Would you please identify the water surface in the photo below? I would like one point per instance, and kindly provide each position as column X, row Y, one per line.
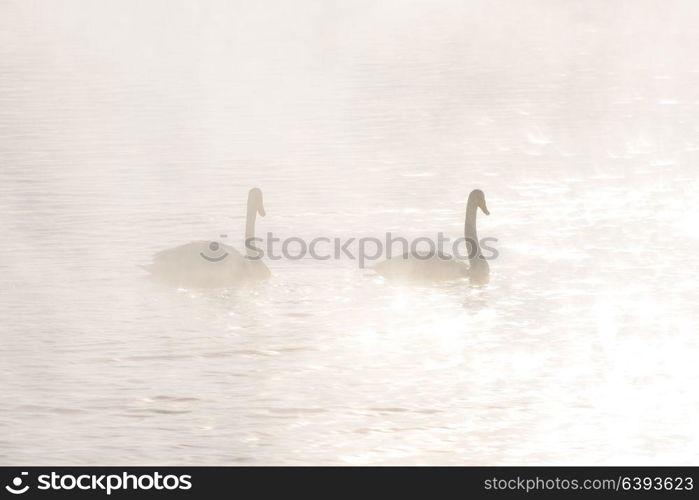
column 128, row 128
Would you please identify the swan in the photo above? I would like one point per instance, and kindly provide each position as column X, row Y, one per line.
column 205, row 264
column 426, row 266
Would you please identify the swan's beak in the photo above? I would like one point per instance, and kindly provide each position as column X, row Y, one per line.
column 485, row 209
column 261, row 210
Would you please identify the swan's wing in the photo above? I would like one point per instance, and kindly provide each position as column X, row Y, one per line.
column 422, row 266
column 199, row 264
column 195, row 252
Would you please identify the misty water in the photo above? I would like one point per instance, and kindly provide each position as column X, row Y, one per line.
column 127, row 128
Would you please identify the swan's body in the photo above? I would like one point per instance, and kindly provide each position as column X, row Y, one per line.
column 431, row 267
column 205, row 264
column 422, row 267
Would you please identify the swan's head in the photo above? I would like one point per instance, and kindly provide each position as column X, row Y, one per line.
column 255, row 201
column 479, row 199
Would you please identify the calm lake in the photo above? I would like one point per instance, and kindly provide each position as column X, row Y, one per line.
column 129, row 127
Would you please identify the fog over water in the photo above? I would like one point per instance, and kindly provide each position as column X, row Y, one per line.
column 130, row 127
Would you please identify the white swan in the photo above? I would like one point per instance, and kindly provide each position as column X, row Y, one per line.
column 205, row 264
column 425, row 266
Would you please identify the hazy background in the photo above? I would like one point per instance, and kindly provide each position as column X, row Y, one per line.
column 128, row 127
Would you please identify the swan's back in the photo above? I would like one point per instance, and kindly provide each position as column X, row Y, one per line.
column 423, row 267
column 203, row 264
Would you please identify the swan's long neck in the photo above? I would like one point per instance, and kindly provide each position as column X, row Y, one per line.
column 470, row 232
column 250, row 228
